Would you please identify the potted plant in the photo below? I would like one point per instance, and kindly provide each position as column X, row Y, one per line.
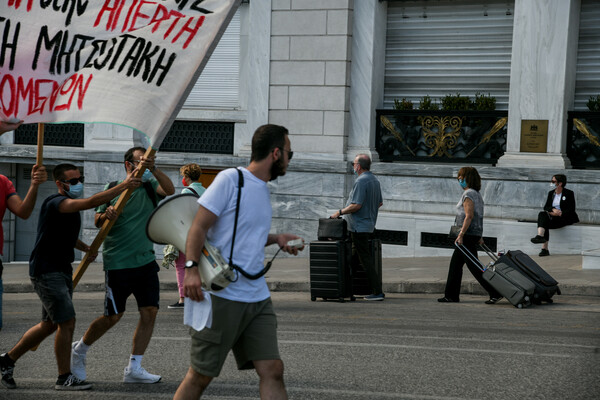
column 428, row 104
column 484, row 103
column 403, row 105
column 456, row 103
column 593, row 103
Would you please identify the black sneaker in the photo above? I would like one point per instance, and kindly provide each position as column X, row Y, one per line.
column 176, row 305
column 7, row 368
column 493, row 300
column 447, row 300
column 538, row 239
column 544, row 253
column 71, row 382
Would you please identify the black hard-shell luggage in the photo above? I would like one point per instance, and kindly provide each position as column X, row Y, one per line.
column 360, row 281
column 545, row 285
column 507, row 280
column 330, row 270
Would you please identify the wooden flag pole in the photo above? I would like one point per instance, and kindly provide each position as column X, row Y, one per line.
column 108, row 224
column 39, row 159
column 40, row 145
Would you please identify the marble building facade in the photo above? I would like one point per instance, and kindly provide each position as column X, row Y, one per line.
column 316, row 66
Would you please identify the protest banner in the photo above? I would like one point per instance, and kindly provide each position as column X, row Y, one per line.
column 126, row 62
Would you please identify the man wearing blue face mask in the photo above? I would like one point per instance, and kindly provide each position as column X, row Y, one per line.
column 130, row 268
column 51, row 272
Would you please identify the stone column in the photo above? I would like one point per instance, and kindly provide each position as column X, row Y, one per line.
column 367, row 74
column 254, row 71
column 542, row 78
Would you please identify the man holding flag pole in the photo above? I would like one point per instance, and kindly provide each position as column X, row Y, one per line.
column 130, row 268
column 50, row 271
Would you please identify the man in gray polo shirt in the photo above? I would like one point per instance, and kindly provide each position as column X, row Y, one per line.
column 361, row 210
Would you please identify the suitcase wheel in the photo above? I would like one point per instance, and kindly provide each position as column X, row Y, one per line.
column 313, row 298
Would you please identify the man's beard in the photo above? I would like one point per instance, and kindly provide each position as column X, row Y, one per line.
column 277, row 169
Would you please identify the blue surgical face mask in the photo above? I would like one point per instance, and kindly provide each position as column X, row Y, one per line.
column 355, row 171
column 147, row 175
column 553, row 185
column 462, row 183
column 75, row 191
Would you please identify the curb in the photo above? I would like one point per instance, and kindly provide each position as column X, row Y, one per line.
column 472, row 288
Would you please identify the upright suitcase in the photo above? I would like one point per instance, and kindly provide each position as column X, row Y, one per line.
column 545, row 285
column 507, row 280
column 360, row 281
column 330, row 270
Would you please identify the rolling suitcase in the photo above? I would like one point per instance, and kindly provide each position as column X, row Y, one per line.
column 360, row 281
column 330, row 270
column 545, row 285
column 506, row 279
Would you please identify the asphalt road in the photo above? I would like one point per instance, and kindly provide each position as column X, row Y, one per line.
column 408, row 347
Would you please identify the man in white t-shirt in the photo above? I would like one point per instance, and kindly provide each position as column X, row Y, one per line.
column 243, row 319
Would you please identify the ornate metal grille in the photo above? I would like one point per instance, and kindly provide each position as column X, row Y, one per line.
column 583, row 139
column 441, row 136
column 70, row 135
column 199, row 137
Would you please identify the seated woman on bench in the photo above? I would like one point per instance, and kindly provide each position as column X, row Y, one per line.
column 559, row 211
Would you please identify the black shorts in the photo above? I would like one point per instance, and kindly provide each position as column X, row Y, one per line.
column 142, row 282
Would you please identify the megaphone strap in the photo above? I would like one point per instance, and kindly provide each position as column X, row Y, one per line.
column 237, row 213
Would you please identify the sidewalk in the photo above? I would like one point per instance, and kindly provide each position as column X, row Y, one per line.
column 400, row 275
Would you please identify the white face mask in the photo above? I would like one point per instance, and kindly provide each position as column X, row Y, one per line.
column 553, row 185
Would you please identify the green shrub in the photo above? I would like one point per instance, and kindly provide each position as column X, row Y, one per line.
column 427, row 104
column 403, row 105
column 456, row 103
column 594, row 103
column 484, row 103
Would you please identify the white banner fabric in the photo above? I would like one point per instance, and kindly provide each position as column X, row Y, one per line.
column 126, row 62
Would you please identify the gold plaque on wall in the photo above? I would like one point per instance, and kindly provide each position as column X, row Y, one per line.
column 534, row 135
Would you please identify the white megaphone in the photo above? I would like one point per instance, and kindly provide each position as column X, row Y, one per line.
column 170, row 223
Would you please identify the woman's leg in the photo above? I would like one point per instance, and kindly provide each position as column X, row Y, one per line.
column 455, row 271
column 180, row 269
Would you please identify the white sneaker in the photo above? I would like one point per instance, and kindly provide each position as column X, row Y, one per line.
column 139, row 375
column 77, row 363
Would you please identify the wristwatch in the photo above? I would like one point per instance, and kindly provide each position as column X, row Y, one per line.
column 191, row 264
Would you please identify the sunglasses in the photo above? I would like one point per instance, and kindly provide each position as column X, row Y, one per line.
column 553, row 181
column 73, row 181
column 290, row 153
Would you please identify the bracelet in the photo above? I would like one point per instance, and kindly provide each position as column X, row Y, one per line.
column 341, row 213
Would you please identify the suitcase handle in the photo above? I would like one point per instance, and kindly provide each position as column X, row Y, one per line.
column 470, row 256
column 489, row 252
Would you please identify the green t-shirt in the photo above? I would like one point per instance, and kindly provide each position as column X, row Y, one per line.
column 127, row 245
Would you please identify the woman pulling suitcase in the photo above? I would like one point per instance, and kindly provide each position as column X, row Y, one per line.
column 469, row 218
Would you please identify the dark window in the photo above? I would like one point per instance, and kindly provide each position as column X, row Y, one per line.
column 441, row 240
column 70, row 135
column 199, row 137
column 392, row 237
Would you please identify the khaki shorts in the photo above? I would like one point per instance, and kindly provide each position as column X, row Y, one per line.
column 249, row 329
